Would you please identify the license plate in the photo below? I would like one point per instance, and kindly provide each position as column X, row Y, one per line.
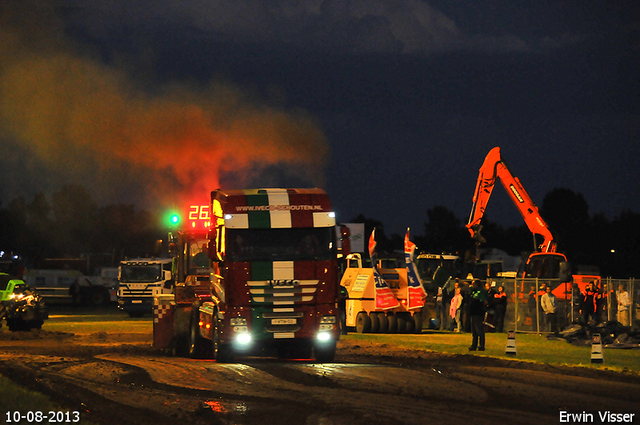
column 283, row 321
column 136, row 301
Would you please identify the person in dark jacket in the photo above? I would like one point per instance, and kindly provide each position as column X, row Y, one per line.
column 501, row 308
column 589, row 304
column 477, row 309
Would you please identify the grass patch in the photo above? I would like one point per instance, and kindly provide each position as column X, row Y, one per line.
column 529, row 347
column 16, row 398
column 85, row 320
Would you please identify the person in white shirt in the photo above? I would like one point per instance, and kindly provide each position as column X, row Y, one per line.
column 623, row 306
column 549, row 306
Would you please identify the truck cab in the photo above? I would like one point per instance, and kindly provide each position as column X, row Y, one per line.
column 140, row 280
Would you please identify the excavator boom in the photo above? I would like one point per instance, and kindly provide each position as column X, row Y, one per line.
column 494, row 168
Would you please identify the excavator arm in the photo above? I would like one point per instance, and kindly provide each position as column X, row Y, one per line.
column 494, row 168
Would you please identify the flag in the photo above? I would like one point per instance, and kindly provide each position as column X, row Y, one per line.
column 415, row 291
column 385, row 299
column 372, row 248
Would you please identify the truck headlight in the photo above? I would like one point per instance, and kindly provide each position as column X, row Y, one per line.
column 243, row 338
column 323, row 336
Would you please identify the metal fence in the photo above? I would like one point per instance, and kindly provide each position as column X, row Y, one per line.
column 524, row 311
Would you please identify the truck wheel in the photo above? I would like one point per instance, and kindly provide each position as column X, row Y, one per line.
column 35, row 324
column 17, row 325
column 222, row 353
column 363, row 323
column 196, row 349
column 325, row 353
column 417, row 320
column 181, row 346
column 375, row 322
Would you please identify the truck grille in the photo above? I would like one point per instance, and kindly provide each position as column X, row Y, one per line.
column 294, row 292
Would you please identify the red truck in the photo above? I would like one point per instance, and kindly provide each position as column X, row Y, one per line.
column 272, row 283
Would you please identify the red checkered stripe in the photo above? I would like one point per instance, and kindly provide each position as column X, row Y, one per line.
column 159, row 310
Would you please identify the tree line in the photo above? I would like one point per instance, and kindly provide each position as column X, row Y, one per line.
column 71, row 224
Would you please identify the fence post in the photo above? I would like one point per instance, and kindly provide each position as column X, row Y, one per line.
column 537, row 307
column 632, row 310
column 515, row 300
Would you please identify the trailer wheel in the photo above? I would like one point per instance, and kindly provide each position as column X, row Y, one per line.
column 393, row 323
column 384, row 323
column 363, row 323
column 222, row 353
column 409, row 325
column 402, row 323
column 417, row 320
column 375, row 322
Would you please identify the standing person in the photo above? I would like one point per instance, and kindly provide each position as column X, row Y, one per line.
column 549, row 306
column 541, row 315
column 465, row 290
column 531, row 307
column 440, row 313
column 624, row 304
column 589, row 307
column 448, row 292
column 477, row 309
column 490, row 316
column 455, row 310
column 501, row 308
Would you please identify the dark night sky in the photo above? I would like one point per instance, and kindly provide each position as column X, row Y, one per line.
column 398, row 101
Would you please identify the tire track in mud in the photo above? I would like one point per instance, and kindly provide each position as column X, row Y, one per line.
column 369, row 393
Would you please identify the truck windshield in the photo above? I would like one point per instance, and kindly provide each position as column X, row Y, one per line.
column 280, row 244
column 141, row 273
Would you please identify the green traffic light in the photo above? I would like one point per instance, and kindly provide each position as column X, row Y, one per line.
column 171, row 219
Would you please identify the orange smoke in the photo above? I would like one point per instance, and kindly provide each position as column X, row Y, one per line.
column 71, row 110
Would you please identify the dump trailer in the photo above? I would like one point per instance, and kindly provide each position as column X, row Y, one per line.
column 273, row 286
column 384, row 299
column 363, row 315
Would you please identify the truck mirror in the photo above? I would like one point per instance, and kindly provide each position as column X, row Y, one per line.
column 565, row 272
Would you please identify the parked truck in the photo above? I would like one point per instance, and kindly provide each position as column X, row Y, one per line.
column 273, row 285
column 140, row 280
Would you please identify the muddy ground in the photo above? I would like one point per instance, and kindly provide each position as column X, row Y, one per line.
column 117, row 378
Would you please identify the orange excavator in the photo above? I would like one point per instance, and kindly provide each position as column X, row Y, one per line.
column 545, row 262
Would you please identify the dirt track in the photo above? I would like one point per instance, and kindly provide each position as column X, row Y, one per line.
column 118, row 378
